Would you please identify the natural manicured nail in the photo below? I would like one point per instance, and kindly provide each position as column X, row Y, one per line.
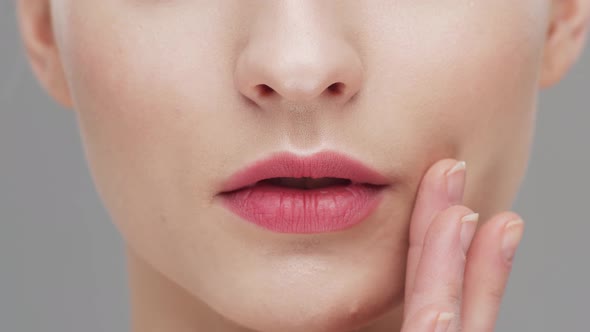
column 456, row 182
column 444, row 321
column 468, row 227
column 511, row 238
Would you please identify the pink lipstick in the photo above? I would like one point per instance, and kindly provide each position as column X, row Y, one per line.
column 287, row 193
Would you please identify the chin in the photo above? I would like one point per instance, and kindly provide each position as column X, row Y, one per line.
column 322, row 300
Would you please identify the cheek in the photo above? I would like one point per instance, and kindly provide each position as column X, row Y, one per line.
column 469, row 79
column 147, row 95
column 141, row 85
column 467, row 65
column 129, row 86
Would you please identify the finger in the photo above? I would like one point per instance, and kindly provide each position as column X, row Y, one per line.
column 489, row 264
column 433, row 197
column 439, row 277
column 429, row 319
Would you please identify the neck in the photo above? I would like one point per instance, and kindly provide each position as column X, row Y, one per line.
column 159, row 304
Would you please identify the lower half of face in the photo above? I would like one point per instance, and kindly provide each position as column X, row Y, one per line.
column 164, row 124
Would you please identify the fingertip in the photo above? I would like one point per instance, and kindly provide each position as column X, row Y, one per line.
column 500, row 236
column 443, row 167
column 511, row 238
column 426, row 319
column 455, row 178
column 444, row 321
column 453, row 213
column 497, row 222
column 446, row 180
column 452, row 228
column 431, row 198
column 433, row 190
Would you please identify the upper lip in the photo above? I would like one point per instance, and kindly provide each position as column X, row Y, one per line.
column 318, row 165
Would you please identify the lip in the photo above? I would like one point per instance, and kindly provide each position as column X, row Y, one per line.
column 293, row 210
column 321, row 164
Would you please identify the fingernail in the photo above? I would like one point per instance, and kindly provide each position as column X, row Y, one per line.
column 456, row 182
column 512, row 235
column 444, row 321
column 468, row 227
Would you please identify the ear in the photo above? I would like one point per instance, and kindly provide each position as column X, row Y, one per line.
column 35, row 23
column 566, row 37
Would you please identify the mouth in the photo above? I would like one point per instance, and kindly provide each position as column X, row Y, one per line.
column 286, row 193
column 303, row 183
column 319, row 170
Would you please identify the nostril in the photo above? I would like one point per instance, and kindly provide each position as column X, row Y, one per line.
column 336, row 88
column 264, row 90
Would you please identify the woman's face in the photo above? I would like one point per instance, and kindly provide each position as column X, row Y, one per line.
column 168, row 106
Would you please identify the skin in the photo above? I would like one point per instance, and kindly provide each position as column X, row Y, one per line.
column 168, row 99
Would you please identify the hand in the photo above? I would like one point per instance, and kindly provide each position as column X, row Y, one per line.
column 456, row 275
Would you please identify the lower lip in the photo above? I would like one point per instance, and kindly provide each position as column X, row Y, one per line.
column 290, row 210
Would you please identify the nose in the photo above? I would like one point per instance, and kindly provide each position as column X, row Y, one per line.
column 298, row 55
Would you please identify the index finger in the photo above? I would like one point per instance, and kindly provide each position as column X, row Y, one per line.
column 433, row 197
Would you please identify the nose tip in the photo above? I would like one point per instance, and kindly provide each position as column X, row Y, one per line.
column 331, row 72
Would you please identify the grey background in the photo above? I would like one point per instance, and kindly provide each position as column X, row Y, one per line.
column 62, row 266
